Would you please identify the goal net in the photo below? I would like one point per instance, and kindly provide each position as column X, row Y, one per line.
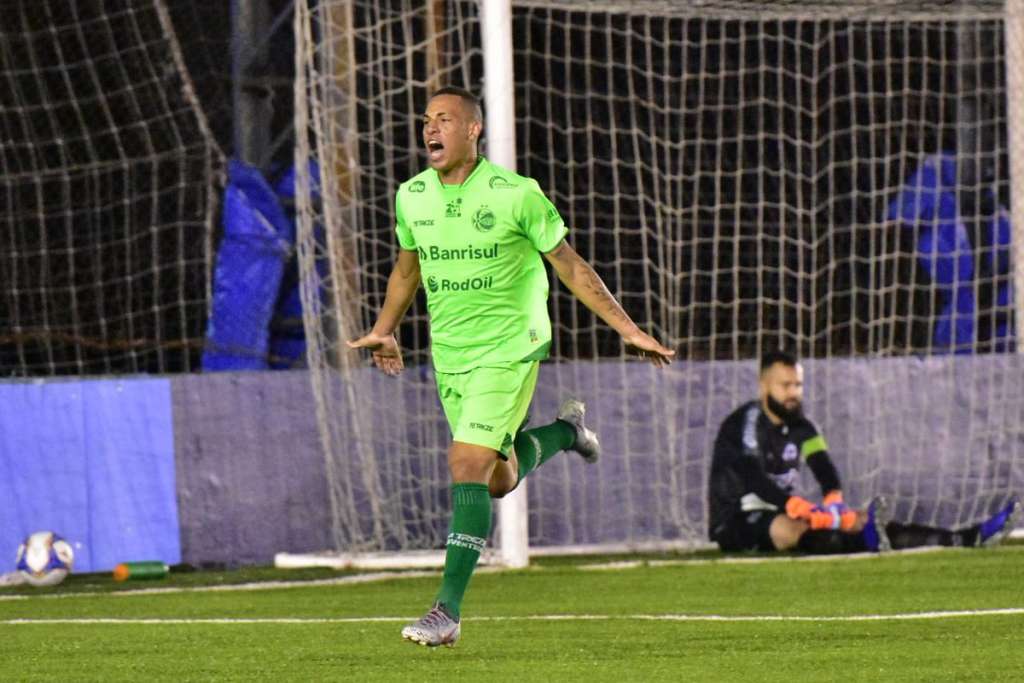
column 830, row 177
column 109, row 183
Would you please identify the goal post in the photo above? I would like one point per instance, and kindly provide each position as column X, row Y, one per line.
column 832, row 177
column 499, row 103
column 1014, row 47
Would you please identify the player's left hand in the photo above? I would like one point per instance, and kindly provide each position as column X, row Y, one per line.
column 833, row 498
column 852, row 520
column 832, row 517
column 647, row 347
column 860, row 520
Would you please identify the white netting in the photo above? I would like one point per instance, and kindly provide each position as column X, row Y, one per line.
column 108, row 179
column 743, row 176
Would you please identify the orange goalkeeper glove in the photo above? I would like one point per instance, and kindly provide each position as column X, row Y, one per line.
column 799, row 508
column 832, row 518
column 834, row 497
column 836, row 516
column 833, row 502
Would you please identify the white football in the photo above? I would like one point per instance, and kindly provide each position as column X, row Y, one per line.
column 44, row 559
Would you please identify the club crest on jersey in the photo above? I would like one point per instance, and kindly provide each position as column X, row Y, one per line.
column 417, row 186
column 789, row 453
column 483, row 219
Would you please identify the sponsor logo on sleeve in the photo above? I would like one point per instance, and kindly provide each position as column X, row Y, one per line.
column 498, row 183
column 417, row 186
column 750, row 430
column 787, row 480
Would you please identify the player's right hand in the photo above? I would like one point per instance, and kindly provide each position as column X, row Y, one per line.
column 799, row 508
column 384, row 351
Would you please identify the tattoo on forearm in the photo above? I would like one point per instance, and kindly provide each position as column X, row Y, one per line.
column 600, row 297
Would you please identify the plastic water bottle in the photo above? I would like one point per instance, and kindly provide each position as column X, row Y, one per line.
column 140, row 571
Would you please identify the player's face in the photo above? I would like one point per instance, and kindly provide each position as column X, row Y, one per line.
column 782, row 390
column 450, row 132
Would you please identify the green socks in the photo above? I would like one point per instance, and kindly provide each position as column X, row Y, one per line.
column 471, row 524
column 535, row 446
column 471, row 511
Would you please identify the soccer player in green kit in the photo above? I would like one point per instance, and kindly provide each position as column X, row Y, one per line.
column 474, row 233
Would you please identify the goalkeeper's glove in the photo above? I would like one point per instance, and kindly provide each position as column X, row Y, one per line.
column 837, row 516
column 833, row 502
column 832, row 518
column 799, row 508
column 834, row 499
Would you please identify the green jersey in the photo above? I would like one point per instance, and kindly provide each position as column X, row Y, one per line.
column 479, row 247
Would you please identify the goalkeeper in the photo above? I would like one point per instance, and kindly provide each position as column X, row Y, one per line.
column 474, row 233
column 755, row 466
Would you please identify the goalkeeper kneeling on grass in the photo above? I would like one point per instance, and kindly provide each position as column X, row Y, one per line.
column 756, row 463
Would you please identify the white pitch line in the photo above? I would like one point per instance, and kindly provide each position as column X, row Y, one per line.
column 772, row 559
column 374, row 577
column 765, row 559
column 351, row 579
column 906, row 616
column 252, row 586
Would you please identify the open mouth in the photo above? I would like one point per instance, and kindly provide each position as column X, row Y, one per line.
column 435, row 149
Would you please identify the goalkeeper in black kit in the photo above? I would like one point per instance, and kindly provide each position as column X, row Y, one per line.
column 755, row 467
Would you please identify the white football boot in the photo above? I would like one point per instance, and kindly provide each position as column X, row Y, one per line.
column 587, row 444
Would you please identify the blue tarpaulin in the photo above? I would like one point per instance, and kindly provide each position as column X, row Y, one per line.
column 258, row 242
column 287, row 335
column 929, row 205
column 94, row 462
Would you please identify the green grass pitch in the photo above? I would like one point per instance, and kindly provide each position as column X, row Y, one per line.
column 950, row 615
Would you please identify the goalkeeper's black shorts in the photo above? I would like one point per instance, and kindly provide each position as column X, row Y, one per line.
column 746, row 531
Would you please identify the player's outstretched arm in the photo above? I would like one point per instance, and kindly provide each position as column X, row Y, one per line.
column 381, row 341
column 580, row 278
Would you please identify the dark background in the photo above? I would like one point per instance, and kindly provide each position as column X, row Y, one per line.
column 727, row 177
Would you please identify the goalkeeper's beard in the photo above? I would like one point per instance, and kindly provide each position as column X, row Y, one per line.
column 789, row 416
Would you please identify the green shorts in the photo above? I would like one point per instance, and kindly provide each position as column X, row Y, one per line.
column 487, row 405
